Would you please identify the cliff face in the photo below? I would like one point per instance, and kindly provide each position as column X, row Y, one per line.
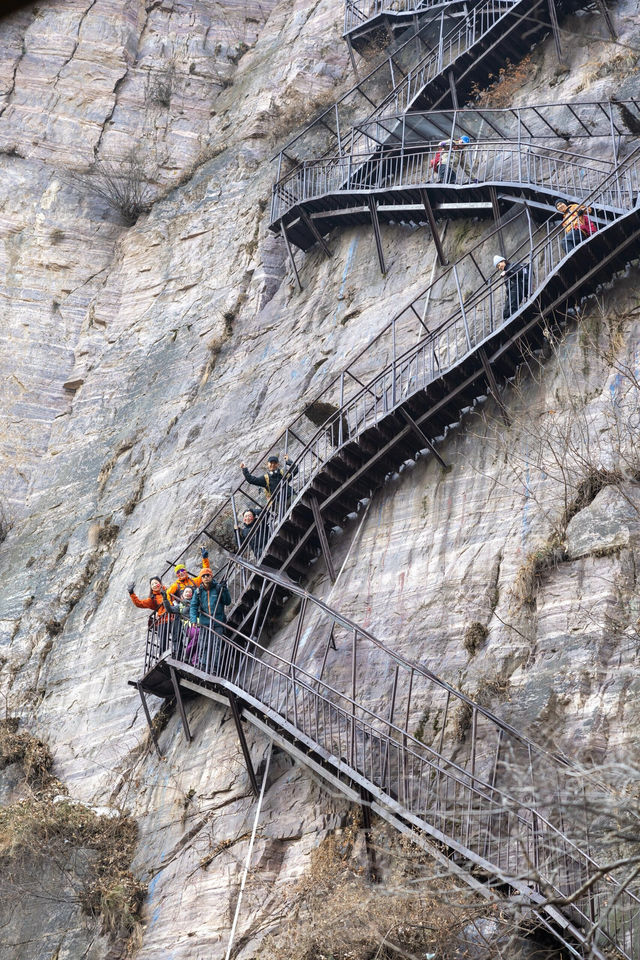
column 142, row 363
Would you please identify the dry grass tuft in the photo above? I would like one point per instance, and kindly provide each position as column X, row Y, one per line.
column 474, row 636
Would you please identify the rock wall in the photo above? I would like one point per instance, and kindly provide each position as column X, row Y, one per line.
column 143, row 362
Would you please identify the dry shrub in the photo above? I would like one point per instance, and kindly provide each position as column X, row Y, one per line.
column 336, row 913
column 46, row 830
column 124, row 185
column 32, row 754
column 474, row 636
column 504, row 85
column 461, row 720
column 49, row 830
column 529, row 576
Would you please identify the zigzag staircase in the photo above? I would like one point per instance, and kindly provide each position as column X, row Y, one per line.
column 479, row 796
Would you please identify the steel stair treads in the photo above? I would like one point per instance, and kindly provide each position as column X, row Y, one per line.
column 474, row 794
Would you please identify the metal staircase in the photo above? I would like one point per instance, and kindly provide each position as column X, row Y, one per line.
column 495, row 808
column 432, row 361
column 500, row 812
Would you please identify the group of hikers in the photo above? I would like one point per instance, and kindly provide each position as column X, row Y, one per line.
column 192, row 608
column 577, row 226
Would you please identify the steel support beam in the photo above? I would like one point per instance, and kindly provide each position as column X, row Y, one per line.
column 493, row 385
column 310, row 225
column 452, row 86
column 435, row 233
column 145, row 707
column 243, row 742
column 290, row 252
column 322, row 534
column 373, row 210
column 183, row 716
column 553, row 13
column 419, row 432
column 352, row 58
column 604, row 10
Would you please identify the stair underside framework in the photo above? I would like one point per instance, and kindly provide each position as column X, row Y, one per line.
column 464, row 813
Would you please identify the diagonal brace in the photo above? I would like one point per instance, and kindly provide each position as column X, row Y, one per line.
column 311, row 227
column 322, row 534
column 243, row 742
column 493, row 385
column 419, row 432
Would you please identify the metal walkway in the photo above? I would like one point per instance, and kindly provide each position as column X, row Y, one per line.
column 485, row 801
column 435, row 67
column 434, row 360
column 389, row 175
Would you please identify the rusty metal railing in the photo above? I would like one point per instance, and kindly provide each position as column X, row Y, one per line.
column 436, row 759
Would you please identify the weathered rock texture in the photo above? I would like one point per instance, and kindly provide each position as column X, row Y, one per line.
column 142, row 364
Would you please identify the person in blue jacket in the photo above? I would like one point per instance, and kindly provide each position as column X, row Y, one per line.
column 207, row 604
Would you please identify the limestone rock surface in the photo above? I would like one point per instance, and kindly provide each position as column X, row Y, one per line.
column 142, row 363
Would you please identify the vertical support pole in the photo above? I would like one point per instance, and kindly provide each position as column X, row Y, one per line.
column 464, row 313
column 352, row 58
column 243, row 743
column 613, row 134
column 296, row 640
column 435, row 233
column 322, row 535
column 183, row 716
column 149, row 720
column 291, row 260
column 373, row 209
column 496, row 216
column 553, row 13
column 352, row 747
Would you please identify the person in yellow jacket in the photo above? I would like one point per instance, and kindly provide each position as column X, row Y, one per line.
column 574, row 219
column 184, row 578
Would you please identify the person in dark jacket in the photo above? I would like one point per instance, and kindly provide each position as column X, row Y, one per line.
column 271, row 480
column 516, row 287
column 249, row 520
column 207, row 605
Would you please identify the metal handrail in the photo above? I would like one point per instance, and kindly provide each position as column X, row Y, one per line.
column 486, row 791
column 488, row 164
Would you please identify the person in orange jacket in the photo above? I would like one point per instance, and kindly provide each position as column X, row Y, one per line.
column 154, row 601
column 184, row 578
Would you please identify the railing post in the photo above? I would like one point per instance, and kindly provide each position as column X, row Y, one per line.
column 352, row 747
column 393, row 374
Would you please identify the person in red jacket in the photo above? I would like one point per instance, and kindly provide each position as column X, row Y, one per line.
column 184, row 578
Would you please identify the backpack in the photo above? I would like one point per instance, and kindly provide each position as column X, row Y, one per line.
column 587, row 226
column 435, row 163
